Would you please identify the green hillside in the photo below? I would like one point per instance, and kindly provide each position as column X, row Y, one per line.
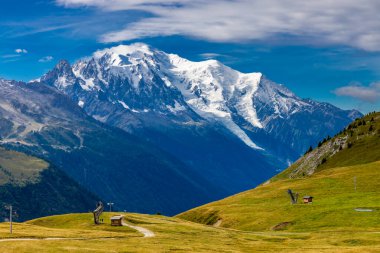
column 35, row 188
column 358, row 143
column 77, row 233
column 328, row 173
column 19, row 169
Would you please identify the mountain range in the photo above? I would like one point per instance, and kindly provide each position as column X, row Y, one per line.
column 155, row 132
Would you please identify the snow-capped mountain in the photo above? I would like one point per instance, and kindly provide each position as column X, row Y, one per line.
column 230, row 125
column 143, row 80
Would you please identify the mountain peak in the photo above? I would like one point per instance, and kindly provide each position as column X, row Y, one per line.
column 63, row 65
column 125, row 50
column 139, row 79
column 61, row 76
column 122, row 54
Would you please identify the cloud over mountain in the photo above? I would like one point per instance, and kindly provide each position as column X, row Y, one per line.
column 340, row 22
column 370, row 94
column 48, row 58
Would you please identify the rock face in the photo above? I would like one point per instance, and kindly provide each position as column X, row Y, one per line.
column 115, row 165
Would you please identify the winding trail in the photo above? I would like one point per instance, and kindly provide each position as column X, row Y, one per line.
column 218, row 223
column 146, row 232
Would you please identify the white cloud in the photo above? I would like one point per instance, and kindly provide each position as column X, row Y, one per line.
column 21, row 51
column 369, row 93
column 343, row 22
column 8, row 56
column 14, row 56
column 46, row 59
column 210, row 55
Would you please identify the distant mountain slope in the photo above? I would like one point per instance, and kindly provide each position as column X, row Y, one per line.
column 118, row 167
column 358, row 143
column 35, row 188
column 234, row 129
column 342, row 175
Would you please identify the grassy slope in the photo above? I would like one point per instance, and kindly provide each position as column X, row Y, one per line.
column 19, row 169
column 172, row 234
column 332, row 185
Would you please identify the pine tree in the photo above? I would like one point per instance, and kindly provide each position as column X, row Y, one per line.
column 309, row 150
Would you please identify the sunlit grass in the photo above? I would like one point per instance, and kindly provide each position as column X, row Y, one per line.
column 333, row 206
column 173, row 234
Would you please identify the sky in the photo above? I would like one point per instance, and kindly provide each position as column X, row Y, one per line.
column 327, row 50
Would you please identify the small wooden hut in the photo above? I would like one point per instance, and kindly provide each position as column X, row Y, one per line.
column 307, row 199
column 117, row 220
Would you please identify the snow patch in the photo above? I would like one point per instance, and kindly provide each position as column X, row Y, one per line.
column 177, row 107
column 124, row 104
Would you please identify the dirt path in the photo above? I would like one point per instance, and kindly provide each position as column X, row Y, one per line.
column 146, row 232
column 218, row 223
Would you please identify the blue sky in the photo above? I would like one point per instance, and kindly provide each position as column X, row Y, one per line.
column 325, row 50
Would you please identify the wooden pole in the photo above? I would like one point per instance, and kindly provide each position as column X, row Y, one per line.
column 10, row 218
column 355, row 183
